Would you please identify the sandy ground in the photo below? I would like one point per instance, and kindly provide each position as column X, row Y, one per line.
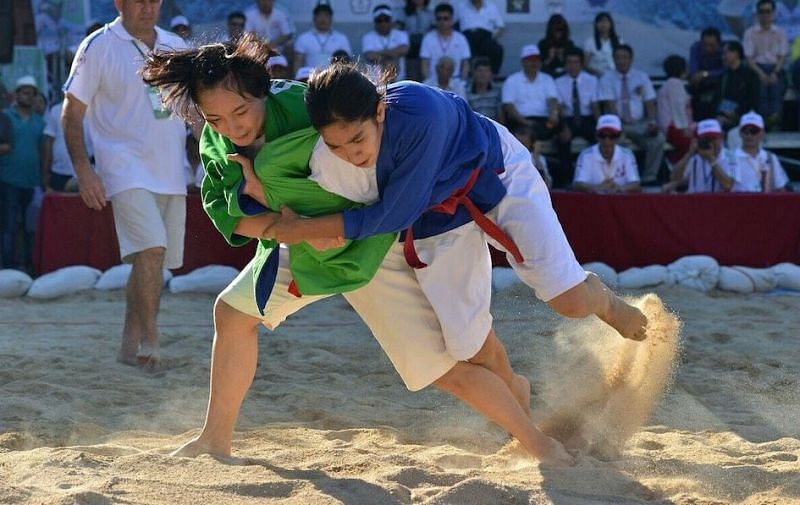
column 328, row 421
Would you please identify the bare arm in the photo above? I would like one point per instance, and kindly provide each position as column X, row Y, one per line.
column 512, row 114
column 464, row 70
column 90, row 186
column 425, row 66
column 724, row 179
column 291, row 229
column 679, row 169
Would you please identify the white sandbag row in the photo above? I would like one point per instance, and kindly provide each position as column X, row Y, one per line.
column 68, row 280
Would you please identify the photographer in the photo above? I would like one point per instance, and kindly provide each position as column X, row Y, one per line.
column 708, row 167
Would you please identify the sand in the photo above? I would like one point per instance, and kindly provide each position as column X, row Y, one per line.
column 328, row 421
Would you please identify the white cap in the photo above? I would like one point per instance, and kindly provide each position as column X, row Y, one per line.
column 752, row 119
column 178, row 21
column 382, row 10
column 609, row 122
column 27, row 80
column 709, row 128
column 528, row 51
column 278, row 61
column 303, row 73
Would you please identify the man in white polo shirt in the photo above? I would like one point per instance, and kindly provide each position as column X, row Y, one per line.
column 385, row 44
column 607, row 167
column 530, row 97
column 315, row 47
column 139, row 152
column 708, row 167
column 481, row 22
column 444, row 41
column 757, row 170
column 270, row 23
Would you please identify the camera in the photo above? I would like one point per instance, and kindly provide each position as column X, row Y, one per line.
column 704, row 144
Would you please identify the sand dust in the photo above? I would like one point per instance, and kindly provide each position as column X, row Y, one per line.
column 328, row 421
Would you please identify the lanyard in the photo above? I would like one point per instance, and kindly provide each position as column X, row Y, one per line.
column 322, row 42
column 445, row 47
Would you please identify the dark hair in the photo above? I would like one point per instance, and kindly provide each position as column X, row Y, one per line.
column 735, row 46
column 323, row 8
column 180, row 75
column 762, row 2
column 481, row 61
column 443, row 8
column 557, row 21
column 612, row 33
column 574, row 51
column 624, row 47
column 711, row 32
column 236, row 14
column 340, row 55
column 93, row 27
column 410, row 9
column 342, row 92
column 674, row 65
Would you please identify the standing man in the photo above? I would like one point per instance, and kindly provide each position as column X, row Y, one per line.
column 444, row 41
column 385, row 45
column 139, row 150
column 315, row 47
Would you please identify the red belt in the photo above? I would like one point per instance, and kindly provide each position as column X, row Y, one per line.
column 449, row 206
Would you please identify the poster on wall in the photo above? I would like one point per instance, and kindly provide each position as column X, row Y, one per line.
column 28, row 60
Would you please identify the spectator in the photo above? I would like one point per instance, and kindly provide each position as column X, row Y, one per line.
column 236, row 23
column 385, row 45
column 530, row 98
column 599, row 48
column 272, row 24
column 795, row 69
column 139, row 160
column 20, row 173
column 738, row 90
column 527, row 138
column 757, row 170
column 444, row 41
column 279, row 67
column 55, row 157
column 577, row 95
column 766, row 47
column 180, row 26
column 302, row 74
column 480, row 21
column 607, row 167
column 708, row 167
column 315, row 47
column 443, row 77
column 416, row 19
column 483, row 96
column 629, row 93
column 705, row 69
column 341, row 56
column 675, row 108
column 555, row 44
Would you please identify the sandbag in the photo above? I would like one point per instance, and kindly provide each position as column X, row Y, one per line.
column 787, row 275
column 64, row 281
column 504, row 278
column 746, row 280
column 209, row 279
column 116, row 277
column 695, row 272
column 636, row 278
column 14, row 283
column 607, row 274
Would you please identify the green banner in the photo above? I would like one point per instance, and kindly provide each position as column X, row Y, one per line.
column 28, row 60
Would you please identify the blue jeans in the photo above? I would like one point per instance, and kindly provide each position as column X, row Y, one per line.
column 771, row 99
column 14, row 201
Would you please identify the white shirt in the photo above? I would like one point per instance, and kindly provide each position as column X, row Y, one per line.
column 591, row 168
column 132, row 148
column 342, row 178
column 62, row 164
column 373, row 41
column 529, row 97
column 752, row 169
column 640, row 90
column 271, row 27
column 456, row 86
column 587, row 92
column 487, row 17
column 602, row 59
column 701, row 177
column 318, row 47
column 434, row 46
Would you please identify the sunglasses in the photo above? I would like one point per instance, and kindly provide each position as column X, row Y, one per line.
column 612, row 136
column 383, row 20
column 765, row 11
column 750, row 130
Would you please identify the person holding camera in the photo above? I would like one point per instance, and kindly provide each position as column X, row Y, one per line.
column 708, row 167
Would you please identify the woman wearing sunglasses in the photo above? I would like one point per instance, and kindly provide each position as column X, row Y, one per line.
column 607, row 167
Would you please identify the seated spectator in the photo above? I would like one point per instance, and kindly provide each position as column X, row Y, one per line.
column 738, row 89
column 483, row 96
column 629, row 94
column 279, row 67
column 766, row 47
column 385, row 43
column 599, row 48
column 180, row 26
column 341, row 56
column 705, row 69
column 708, row 167
column 315, row 47
column 607, row 167
column 795, row 69
column 270, row 23
column 416, row 19
column 675, row 108
column 236, row 22
column 444, row 41
column 757, row 170
column 443, row 77
column 577, row 95
column 480, row 21
column 530, row 98
column 554, row 45
column 528, row 139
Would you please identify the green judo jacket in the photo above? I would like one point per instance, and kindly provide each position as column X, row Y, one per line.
column 282, row 167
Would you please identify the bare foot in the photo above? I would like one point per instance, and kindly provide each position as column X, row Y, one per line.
column 148, row 356
column 126, row 359
column 522, row 392
column 196, row 447
column 553, row 454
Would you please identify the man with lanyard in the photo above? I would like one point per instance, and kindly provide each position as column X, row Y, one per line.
column 385, row 43
column 444, row 41
column 139, row 152
column 708, row 167
column 757, row 169
column 315, row 47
